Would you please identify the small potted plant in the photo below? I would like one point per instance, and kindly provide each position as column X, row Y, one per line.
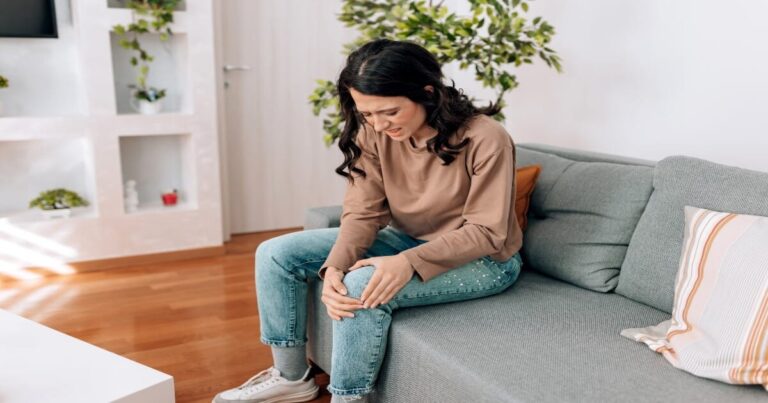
column 149, row 17
column 57, row 203
column 146, row 100
column 3, row 84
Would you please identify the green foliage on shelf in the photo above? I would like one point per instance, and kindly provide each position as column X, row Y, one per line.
column 493, row 39
column 3, row 82
column 150, row 94
column 56, row 199
column 150, row 16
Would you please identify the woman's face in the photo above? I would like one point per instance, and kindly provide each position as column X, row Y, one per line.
column 397, row 117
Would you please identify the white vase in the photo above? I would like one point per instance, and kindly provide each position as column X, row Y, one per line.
column 145, row 107
column 57, row 213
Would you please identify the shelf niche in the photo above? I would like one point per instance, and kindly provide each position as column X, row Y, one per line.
column 44, row 164
column 159, row 163
column 167, row 71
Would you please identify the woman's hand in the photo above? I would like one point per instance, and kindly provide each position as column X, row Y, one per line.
column 336, row 304
column 391, row 275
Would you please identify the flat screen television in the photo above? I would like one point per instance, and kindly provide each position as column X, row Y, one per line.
column 28, row 19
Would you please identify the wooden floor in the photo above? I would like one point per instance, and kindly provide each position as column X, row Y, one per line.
column 194, row 319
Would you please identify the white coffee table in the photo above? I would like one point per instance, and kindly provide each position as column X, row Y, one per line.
column 39, row 364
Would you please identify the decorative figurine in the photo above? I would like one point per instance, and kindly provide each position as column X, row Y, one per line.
column 131, row 196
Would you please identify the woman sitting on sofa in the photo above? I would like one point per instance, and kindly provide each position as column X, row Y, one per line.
column 429, row 207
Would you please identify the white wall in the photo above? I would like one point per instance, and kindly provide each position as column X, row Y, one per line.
column 44, row 73
column 650, row 79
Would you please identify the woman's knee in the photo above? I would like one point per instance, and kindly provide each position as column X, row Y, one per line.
column 309, row 242
column 279, row 245
column 357, row 280
column 265, row 249
column 272, row 252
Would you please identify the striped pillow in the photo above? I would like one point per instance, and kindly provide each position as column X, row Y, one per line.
column 719, row 324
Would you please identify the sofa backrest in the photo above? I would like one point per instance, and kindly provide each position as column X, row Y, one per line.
column 583, row 212
column 649, row 271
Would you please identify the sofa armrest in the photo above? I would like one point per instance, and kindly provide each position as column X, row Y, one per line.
column 322, row 217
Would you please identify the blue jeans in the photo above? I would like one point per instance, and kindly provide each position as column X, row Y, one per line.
column 285, row 264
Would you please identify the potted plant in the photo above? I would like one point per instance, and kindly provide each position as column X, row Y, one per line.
column 3, row 84
column 146, row 100
column 493, row 38
column 149, row 16
column 57, row 203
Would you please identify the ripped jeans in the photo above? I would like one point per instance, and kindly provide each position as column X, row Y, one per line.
column 285, row 264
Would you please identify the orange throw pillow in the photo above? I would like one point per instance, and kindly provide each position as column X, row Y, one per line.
column 526, row 180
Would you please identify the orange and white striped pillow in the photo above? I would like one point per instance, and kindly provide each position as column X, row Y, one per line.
column 719, row 324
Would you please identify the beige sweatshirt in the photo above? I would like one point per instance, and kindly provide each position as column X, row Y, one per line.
column 464, row 210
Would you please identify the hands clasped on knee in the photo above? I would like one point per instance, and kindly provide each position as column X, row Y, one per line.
column 391, row 274
column 334, row 296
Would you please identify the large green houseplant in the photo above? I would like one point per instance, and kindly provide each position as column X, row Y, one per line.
column 493, row 40
column 150, row 16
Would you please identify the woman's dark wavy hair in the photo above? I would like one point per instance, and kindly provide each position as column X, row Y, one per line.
column 392, row 68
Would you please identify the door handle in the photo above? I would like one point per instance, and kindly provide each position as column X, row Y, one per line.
column 230, row 67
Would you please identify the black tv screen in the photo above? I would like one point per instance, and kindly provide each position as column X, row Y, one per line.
column 28, row 19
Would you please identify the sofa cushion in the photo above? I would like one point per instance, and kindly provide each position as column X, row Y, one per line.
column 542, row 340
column 525, row 180
column 648, row 273
column 582, row 216
column 716, row 330
column 322, row 217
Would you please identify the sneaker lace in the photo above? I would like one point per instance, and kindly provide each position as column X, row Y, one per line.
column 260, row 381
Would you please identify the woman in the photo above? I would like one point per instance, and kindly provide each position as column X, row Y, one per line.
column 429, row 207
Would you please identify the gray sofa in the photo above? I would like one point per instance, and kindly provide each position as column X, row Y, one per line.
column 600, row 255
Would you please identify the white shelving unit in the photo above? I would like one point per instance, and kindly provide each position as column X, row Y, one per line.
column 95, row 146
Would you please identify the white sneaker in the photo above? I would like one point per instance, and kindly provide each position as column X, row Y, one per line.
column 269, row 387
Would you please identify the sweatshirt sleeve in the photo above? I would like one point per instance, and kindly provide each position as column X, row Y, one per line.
column 486, row 214
column 365, row 210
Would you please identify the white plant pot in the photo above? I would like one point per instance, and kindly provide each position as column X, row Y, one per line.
column 57, row 213
column 145, row 107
